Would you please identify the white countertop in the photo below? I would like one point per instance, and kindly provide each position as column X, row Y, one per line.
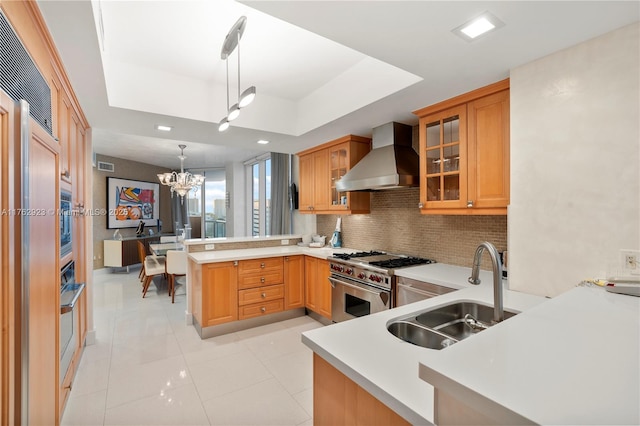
column 195, row 241
column 445, row 275
column 254, row 253
column 568, row 360
column 573, row 360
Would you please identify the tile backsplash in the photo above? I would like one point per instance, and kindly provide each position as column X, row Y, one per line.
column 395, row 225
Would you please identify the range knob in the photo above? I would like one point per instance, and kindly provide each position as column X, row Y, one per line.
column 361, row 276
column 375, row 278
column 349, row 271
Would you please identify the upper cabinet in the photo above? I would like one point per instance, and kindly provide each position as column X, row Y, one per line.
column 321, row 167
column 464, row 153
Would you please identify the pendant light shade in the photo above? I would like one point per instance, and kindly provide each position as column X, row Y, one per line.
column 231, row 41
column 234, row 112
column 224, row 125
column 247, row 97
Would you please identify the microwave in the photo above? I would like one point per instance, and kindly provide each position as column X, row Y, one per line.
column 65, row 223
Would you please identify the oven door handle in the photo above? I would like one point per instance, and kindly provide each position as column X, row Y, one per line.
column 355, row 286
column 69, row 296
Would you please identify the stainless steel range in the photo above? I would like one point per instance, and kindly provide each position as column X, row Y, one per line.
column 364, row 282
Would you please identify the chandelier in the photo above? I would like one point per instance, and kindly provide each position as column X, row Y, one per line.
column 182, row 182
column 231, row 41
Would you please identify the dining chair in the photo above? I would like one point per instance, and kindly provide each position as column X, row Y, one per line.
column 153, row 266
column 142, row 255
column 176, row 266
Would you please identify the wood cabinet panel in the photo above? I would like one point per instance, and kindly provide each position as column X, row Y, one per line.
column 294, row 282
column 260, row 294
column 262, row 308
column 44, row 280
column 317, row 286
column 488, row 150
column 219, row 293
column 337, row 400
column 260, row 272
column 321, row 167
column 464, row 153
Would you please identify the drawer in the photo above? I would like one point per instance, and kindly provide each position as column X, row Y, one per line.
column 259, row 309
column 260, row 294
column 264, row 279
column 259, row 266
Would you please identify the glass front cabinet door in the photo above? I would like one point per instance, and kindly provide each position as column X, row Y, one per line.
column 339, row 165
column 443, row 168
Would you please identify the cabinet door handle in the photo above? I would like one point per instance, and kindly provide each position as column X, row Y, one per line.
column 264, row 295
column 420, row 205
column 469, row 204
column 263, row 309
column 65, row 174
column 286, row 258
column 261, row 279
column 235, row 263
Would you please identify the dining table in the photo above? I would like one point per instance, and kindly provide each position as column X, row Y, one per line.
column 160, row 249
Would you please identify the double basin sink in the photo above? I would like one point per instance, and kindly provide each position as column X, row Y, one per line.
column 438, row 328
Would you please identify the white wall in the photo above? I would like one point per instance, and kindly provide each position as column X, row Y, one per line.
column 236, row 213
column 575, row 163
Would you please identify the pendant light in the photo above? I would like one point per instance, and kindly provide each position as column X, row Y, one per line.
column 231, row 41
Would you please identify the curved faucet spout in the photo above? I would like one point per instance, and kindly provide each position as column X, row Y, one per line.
column 498, row 308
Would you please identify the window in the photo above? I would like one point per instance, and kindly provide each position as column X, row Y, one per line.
column 260, row 192
column 209, row 204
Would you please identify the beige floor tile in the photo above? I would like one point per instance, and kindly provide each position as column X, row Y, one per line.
column 85, row 410
column 265, row 403
column 133, row 382
column 179, row 406
column 294, row 371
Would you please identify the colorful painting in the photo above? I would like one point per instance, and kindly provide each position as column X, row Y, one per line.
column 132, row 201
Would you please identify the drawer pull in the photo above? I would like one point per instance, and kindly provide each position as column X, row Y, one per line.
column 262, row 265
column 261, row 279
column 263, row 309
column 264, row 295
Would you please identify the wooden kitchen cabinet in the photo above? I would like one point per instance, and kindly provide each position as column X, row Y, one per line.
column 294, row 282
column 321, row 167
column 219, row 293
column 261, row 288
column 464, row 153
column 337, row 400
column 317, row 286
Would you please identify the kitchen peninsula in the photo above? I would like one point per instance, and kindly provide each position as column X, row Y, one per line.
column 239, row 283
column 569, row 360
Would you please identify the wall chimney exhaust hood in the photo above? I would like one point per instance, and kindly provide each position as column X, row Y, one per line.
column 393, row 163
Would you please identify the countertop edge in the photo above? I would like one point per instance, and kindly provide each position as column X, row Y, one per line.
column 469, row 397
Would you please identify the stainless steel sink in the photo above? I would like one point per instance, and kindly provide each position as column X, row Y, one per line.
column 419, row 335
column 441, row 327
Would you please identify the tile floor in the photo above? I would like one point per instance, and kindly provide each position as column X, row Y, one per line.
column 149, row 368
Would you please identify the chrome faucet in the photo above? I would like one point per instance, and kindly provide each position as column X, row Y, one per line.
column 498, row 308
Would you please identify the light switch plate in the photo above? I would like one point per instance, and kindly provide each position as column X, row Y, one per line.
column 209, row 246
column 630, row 261
column 284, row 242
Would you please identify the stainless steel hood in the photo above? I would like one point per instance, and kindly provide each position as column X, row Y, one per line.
column 391, row 164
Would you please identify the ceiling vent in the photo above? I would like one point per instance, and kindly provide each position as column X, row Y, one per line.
column 106, row 167
column 21, row 79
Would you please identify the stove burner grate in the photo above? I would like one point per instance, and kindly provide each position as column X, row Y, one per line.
column 347, row 256
column 401, row 262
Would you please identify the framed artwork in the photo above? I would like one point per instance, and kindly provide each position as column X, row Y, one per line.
column 131, row 201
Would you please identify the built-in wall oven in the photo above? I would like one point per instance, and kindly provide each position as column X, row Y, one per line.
column 70, row 291
column 363, row 283
column 65, row 215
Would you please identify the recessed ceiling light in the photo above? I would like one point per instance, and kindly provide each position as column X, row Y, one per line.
column 163, row 128
column 478, row 26
column 263, row 142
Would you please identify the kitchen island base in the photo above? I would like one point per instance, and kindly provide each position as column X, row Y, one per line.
column 232, row 327
column 337, row 400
